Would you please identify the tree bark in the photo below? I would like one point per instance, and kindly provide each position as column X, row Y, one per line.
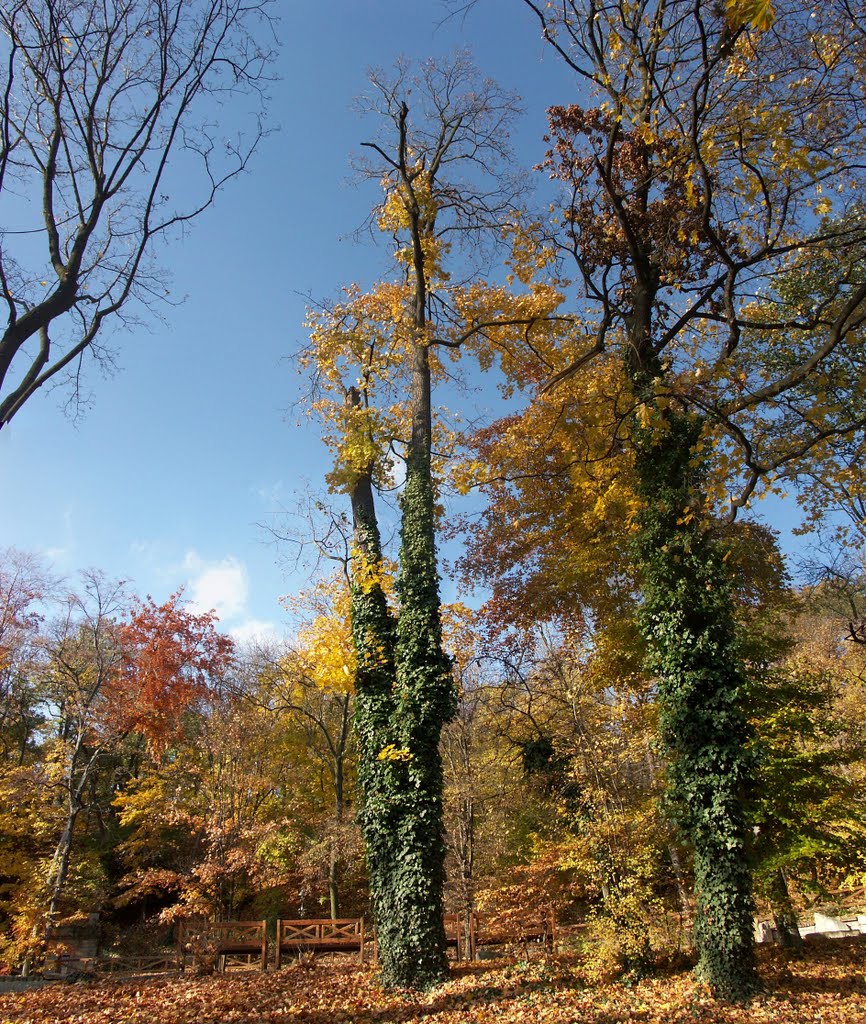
column 784, row 915
column 60, row 869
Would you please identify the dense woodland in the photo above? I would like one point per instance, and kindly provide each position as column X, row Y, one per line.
column 151, row 769
column 637, row 718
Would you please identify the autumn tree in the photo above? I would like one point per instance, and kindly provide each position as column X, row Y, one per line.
column 25, row 590
column 83, row 658
column 723, row 153
column 103, row 107
column 208, row 826
column 551, row 544
column 25, row 586
column 831, row 488
column 171, row 658
column 313, row 684
column 483, row 795
column 582, row 717
column 720, row 166
column 808, row 810
column 376, row 357
column 111, row 673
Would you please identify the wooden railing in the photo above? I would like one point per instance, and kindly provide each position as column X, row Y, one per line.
column 224, row 939
column 343, row 935
column 139, row 965
column 514, row 928
column 511, row 928
column 458, row 936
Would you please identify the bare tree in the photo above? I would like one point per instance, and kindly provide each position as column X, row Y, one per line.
column 113, row 117
column 25, row 584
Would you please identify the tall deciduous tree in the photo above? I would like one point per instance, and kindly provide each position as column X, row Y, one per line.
column 106, row 146
column 207, row 821
column 376, row 356
column 721, row 156
column 83, row 658
column 24, row 587
column 314, row 684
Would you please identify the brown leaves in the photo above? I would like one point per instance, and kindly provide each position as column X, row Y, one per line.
column 635, row 194
column 827, row 984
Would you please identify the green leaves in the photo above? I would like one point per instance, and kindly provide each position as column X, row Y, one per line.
column 687, row 621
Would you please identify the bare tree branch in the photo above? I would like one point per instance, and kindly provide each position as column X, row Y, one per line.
column 100, row 103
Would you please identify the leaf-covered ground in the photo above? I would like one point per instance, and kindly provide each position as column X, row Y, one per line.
column 828, row 985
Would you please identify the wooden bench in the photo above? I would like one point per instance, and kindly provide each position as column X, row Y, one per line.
column 321, row 935
column 224, row 939
column 512, row 928
column 455, row 934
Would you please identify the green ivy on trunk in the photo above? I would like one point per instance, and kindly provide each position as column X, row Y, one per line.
column 405, row 694
column 687, row 621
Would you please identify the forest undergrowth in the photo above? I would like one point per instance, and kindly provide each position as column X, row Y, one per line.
column 827, row 984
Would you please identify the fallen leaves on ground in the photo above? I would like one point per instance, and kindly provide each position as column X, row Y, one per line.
column 825, row 986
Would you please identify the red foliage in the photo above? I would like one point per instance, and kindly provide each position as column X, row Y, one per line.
column 171, row 659
column 628, row 188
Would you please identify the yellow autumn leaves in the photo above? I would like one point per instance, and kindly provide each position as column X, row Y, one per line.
column 325, row 653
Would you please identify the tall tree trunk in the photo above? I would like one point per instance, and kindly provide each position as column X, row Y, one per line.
column 416, row 950
column 373, row 640
column 339, row 749
column 75, row 789
column 60, row 866
column 333, row 882
column 402, row 772
column 467, row 856
column 687, row 621
column 682, row 893
column 673, row 852
column 405, row 696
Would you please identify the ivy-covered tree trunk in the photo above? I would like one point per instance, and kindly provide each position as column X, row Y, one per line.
column 409, row 914
column 376, row 354
column 373, row 637
column 404, row 695
column 688, row 624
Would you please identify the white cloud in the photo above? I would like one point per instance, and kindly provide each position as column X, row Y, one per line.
column 222, row 586
column 56, row 555
column 270, row 494
column 254, row 631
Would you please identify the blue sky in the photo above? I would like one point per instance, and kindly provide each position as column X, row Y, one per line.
column 192, row 444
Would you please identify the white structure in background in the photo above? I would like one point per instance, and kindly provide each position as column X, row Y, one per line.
column 836, row 927
column 829, row 927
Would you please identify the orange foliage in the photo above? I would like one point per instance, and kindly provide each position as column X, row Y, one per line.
column 826, row 985
column 171, row 659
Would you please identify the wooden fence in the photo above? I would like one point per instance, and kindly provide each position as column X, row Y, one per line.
column 512, row 928
column 225, row 940
column 139, row 965
column 228, row 941
column 320, row 935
